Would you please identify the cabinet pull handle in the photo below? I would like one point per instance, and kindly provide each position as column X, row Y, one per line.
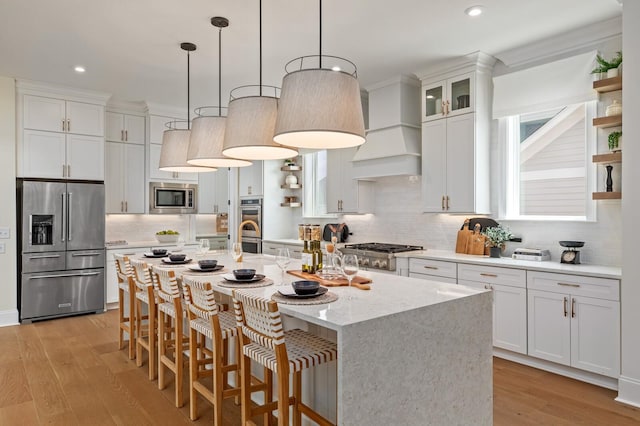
column 126, row 135
column 573, row 307
column 64, row 170
column 122, row 206
column 447, row 202
column 126, row 206
column 444, row 111
column 443, row 202
column 68, row 170
column 484, row 274
column 430, row 267
column 569, row 285
column 564, row 304
column 63, row 125
column 68, row 125
column 122, row 135
column 448, row 108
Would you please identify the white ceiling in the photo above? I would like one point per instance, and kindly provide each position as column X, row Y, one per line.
column 130, row 48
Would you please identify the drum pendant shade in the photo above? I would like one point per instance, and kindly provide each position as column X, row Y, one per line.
column 320, row 109
column 249, row 132
column 205, row 149
column 173, row 155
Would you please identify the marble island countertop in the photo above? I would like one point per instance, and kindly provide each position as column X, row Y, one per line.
column 142, row 244
column 507, row 262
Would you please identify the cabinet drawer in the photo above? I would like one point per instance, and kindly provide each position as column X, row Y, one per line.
column 578, row 285
column 294, row 250
column 429, row 277
column 433, row 267
column 493, row 275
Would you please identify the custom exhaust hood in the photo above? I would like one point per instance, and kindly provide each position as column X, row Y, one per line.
column 393, row 141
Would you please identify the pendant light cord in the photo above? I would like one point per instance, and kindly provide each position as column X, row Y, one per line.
column 320, row 55
column 220, row 72
column 188, row 93
column 260, row 27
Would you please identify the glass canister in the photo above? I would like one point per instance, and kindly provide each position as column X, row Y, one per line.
column 301, row 231
column 307, row 232
column 315, row 233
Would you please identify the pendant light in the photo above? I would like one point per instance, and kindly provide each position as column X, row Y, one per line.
column 207, row 132
column 251, row 121
column 320, row 107
column 175, row 140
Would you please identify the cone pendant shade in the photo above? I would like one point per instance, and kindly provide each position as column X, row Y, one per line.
column 320, row 109
column 173, row 156
column 249, row 132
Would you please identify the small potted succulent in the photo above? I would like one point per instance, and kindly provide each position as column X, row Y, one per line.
column 615, row 141
column 496, row 236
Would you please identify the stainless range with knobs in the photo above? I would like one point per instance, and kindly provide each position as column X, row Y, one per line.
column 377, row 256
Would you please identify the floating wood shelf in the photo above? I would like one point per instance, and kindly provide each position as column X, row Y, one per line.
column 607, row 196
column 608, row 84
column 611, row 157
column 291, row 186
column 291, row 168
column 290, row 204
column 604, row 122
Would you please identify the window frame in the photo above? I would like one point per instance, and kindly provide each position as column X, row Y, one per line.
column 310, row 206
column 509, row 171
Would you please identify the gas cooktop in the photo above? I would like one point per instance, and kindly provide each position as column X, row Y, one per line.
column 383, row 247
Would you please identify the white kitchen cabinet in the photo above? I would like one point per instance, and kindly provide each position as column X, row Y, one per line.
column 124, row 178
column 111, row 280
column 155, row 174
column 575, row 320
column 433, row 270
column 455, row 138
column 344, row 193
column 213, row 192
column 509, row 302
column 250, row 180
column 270, row 248
column 125, row 128
column 59, row 155
column 59, row 115
column 450, row 97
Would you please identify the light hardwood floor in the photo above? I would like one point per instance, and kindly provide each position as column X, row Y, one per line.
column 70, row 372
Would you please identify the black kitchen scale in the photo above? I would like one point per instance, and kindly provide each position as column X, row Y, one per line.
column 571, row 255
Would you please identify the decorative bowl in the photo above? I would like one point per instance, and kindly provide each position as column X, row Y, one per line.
column 305, row 287
column 244, row 274
column 167, row 238
column 177, row 257
column 159, row 252
column 207, row 263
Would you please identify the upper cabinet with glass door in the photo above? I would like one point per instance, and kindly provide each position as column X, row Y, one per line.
column 447, row 98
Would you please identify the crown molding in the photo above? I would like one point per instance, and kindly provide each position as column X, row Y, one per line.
column 475, row 61
column 403, row 78
column 166, row 110
column 38, row 88
column 127, row 107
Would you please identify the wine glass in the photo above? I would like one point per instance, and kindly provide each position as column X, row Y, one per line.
column 349, row 268
column 236, row 252
column 204, row 247
column 180, row 244
column 282, row 259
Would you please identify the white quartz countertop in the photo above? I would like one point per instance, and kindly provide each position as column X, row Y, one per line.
column 507, row 262
column 143, row 244
column 405, row 293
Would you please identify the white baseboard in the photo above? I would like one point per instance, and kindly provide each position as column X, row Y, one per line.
column 562, row 370
column 629, row 391
column 9, row 317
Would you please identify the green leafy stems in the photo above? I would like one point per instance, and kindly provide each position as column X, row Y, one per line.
column 604, row 65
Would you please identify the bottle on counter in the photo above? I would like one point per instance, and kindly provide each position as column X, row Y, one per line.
column 319, row 263
column 306, row 257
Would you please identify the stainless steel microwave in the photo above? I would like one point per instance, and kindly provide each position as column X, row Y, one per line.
column 173, row 198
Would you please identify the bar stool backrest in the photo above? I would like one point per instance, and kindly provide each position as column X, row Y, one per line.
column 199, row 297
column 259, row 319
column 123, row 268
column 167, row 283
column 141, row 274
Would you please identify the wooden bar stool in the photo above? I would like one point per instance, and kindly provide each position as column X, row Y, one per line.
column 263, row 339
column 126, row 319
column 171, row 340
column 146, row 334
column 205, row 321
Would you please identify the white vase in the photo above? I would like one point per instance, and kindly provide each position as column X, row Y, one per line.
column 291, row 179
column 613, row 72
column 614, row 109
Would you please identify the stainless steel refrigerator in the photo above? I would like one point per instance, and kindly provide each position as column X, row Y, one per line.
column 61, row 246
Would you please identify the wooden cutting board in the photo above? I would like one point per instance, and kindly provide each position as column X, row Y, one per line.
column 463, row 238
column 476, row 242
column 358, row 282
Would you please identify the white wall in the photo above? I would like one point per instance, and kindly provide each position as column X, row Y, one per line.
column 8, row 282
column 629, row 383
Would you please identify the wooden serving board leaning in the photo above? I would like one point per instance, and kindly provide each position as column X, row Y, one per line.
column 358, row 282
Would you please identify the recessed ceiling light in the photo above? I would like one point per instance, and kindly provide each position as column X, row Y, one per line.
column 474, row 10
column 79, row 69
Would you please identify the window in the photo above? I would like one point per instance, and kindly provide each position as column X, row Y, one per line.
column 315, row 184
column 548, row 172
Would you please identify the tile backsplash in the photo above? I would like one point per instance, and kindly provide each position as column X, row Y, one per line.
column 137, row 227
column 398, row 219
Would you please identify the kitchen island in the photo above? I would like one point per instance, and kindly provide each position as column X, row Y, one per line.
column 407, row 353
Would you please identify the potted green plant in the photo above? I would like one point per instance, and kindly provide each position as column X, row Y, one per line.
column 496, row 236
column 615, row 140
column 606, row 69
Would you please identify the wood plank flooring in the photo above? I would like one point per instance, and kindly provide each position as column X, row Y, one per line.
column 70, row 372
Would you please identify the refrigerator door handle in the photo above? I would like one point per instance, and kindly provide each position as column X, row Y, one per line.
column 85, row 254
column 83, row 274
column 69, row 214
column 64, row 215
column 50, row 256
